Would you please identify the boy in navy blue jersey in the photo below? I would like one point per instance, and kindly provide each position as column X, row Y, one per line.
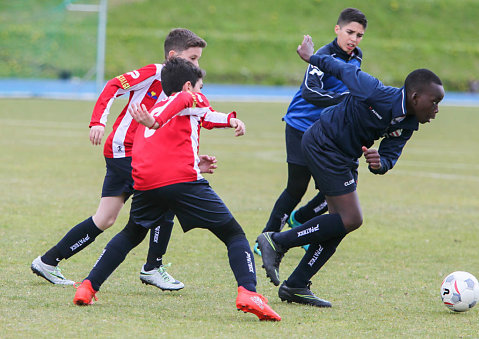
column 332, row 146
column 318, row 91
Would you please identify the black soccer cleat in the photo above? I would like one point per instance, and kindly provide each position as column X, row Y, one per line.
column 271, row 254
column 301, row 295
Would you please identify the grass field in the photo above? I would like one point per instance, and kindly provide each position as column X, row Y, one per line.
column 420, row 223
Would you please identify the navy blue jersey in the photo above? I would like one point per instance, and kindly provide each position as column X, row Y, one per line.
column 369, row 112
column 319, row 89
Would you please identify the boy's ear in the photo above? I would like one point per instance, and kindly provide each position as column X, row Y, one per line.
column 171, row 54
column 187, row 86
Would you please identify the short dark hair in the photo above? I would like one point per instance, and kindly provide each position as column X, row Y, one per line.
column 352, row 15
column 418, row 79
column 180, row 39
column 176, row 72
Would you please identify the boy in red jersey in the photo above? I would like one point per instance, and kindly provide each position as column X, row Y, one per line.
column 143, row 86
column 167, row 177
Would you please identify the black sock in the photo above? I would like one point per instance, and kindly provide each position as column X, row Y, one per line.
column 316, row 230
column 79, row 237
column 313, row 208
column 115, row 253
column 314, row 258
column 159, row 238
column 281, row 211
column 242, row 262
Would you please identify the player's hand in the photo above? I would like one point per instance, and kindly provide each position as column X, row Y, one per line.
column 96, row 134
column 306, row 49
column 239, row 126
column 372, row 157
column 141, row 115
column 207, row 164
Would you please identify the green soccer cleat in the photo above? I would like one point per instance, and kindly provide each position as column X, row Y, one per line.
column 271, row 253
column 50, row 273
column 161, row 279
column 301, row 295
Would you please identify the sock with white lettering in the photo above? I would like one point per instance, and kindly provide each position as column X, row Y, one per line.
column 313, row 208
column 79, row 237
column 115, row 253
column 314, row 258
column 159, row 238
column 316, row 230
column 242, row 262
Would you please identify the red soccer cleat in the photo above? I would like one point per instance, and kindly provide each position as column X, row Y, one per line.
column 84, row 294
column 255, row 303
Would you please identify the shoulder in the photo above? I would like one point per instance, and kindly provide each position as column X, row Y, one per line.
column 326, row 49
column 191, row 99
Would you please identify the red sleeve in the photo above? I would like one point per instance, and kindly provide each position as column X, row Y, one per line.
column 120, row 85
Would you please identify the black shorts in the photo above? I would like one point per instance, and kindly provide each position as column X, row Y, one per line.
column 195, row 204
column 118, row 179
column 334, row 172
column 294, row 152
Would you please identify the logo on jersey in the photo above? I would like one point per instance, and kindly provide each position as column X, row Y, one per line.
column 152, row 94
column 375, row 113
column 124, row 83
column 315, row 71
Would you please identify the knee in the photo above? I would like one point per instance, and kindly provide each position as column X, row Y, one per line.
column 104, row 221
column 352, row 223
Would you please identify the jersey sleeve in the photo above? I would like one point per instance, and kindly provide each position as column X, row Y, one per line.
column 390, row 149
column 359, row 83
column 120, row 85
column 313, row 90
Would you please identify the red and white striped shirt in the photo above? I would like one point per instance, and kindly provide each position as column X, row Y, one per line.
column 169, row 154
column 143, row 86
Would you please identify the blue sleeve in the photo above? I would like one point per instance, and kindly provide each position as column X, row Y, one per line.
column 313, row 90
column 359, row 83
column 390, row 150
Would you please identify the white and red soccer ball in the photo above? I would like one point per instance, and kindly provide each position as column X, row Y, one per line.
column 460, row 291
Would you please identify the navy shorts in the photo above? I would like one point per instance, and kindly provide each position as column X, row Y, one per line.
column 294, row 152
column 195, row 204
column 118, row 179
column 334, row 172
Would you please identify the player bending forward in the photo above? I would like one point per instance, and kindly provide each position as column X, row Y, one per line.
column 172, row 133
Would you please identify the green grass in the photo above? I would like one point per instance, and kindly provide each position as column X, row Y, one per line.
column 248, row 41
column 420, row 223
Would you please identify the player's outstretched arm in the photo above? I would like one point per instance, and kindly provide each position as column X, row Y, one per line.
column 306, row 49
column 207, row 163
column 239, row 126
column 96, row 134
column 142, row 116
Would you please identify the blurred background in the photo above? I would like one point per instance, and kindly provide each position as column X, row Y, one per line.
column 62, row 43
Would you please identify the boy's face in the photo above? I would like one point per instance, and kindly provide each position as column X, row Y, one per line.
column 425, row 104
column 349, row 36
column 198, row 86
column 192, row 54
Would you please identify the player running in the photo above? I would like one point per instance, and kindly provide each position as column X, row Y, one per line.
column 142, row 86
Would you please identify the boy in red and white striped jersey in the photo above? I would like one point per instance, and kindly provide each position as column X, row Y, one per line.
column 142, row 86
column 167, row 177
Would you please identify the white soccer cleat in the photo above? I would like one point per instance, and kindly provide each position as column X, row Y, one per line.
column 161, row 279
column 50, row 273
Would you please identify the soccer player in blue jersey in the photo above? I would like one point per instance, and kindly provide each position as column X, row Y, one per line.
column 332, row 146
column 318, row 91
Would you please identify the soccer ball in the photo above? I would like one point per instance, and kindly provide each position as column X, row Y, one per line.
column 460, row 291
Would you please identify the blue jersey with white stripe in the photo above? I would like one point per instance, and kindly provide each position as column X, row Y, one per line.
column 319, row 90
column 369, row 112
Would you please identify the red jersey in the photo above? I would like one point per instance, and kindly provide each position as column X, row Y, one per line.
column 143, row 86
column 169, row 154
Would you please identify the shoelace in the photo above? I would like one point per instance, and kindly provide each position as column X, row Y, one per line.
column 163, row 273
